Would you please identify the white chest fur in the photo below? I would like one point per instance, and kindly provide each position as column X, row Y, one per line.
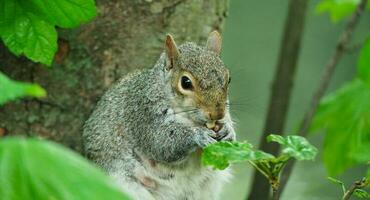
column 185, row 181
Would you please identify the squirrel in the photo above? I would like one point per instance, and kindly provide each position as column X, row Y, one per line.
column 148, row 130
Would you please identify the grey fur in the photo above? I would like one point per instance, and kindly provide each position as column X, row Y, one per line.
column 137, row 135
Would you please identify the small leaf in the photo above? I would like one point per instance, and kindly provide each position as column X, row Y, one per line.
column 36, row 169
column 221, row 154
column 11, row 90
column 363, row 65
column 345, row 117
column 360, row 193
column 295, row 146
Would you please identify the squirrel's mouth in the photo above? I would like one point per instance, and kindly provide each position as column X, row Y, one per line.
column 214, row 125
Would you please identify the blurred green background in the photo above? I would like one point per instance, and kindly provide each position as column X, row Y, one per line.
column 251, row 45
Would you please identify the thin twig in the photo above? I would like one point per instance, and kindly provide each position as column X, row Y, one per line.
column 356, row 185
column 324, row 82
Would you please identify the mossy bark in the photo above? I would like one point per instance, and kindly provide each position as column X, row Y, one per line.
column 127, row 35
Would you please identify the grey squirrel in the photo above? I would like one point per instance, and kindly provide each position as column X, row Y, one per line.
column 148, row 130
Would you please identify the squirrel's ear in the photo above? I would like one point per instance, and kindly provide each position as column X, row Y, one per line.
column 171, row 51
column 214, row 42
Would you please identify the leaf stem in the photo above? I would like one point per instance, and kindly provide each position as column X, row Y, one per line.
column 274, row 179
column 275, row 194
column 259, row 169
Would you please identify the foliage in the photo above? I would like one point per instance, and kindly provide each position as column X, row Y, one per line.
column 345, row 116
column 220, row 154
column 338, row 9
column 28, row 27
column 36, row 169
column 11, row 90
column 295, row 146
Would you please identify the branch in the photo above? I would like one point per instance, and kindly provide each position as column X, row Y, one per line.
column 275, row 194
column 356, row 185
column 324, row 82
column 281, row 88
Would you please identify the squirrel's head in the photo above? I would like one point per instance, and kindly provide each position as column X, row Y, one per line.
column 199, row 79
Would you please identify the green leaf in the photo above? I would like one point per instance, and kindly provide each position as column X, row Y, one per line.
column 363, row 65
column 221, row 154
column 31, row 36
column 62, row 13
column 11, row 90
column 35, row 169
column 295, row 146
column 360, row 193
column 345, row 117
column 362, row 153
column 338, row 9
column 28, row 27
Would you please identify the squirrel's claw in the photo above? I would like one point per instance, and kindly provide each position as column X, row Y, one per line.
column 225, row 134
column 204, row 139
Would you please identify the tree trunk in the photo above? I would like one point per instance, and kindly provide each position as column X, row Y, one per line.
column 126, row 35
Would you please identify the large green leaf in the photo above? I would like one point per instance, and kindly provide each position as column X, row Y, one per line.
column 363, row 65
column 31, row 36
column 345, row 116
column 34, row 169
column 338, row 9
column 62, row 13
column 295, row 146
column 221, row 154
column 28, row 27
column 10, row 90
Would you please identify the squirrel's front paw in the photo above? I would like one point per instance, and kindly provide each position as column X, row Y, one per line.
column 204, row 138
column 226, row 134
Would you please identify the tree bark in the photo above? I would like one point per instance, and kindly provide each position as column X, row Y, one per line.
column 127, row 35
column 281, row 89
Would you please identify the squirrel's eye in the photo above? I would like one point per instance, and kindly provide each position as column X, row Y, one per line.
column 229, row 80
column 186, row 83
